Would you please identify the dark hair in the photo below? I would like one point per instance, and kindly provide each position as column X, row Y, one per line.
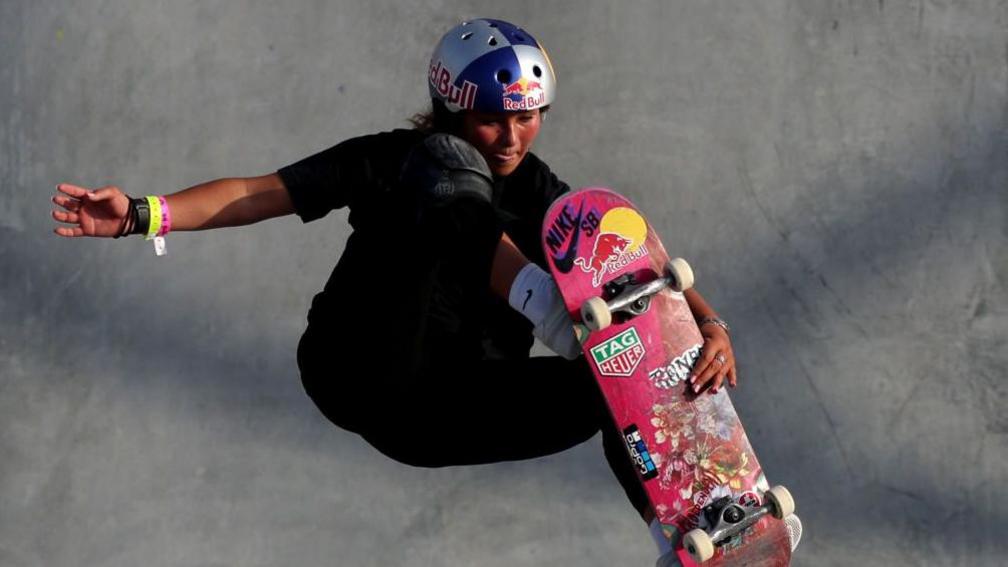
column 437, row 120
column 441, row 120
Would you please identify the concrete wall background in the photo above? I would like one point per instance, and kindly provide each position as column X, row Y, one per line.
column 836, row 172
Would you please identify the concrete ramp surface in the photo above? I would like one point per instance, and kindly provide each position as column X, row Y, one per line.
column 836, row 173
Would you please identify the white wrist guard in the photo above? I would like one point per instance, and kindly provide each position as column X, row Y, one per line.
column 534, row 294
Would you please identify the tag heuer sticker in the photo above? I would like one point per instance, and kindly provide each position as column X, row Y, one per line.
column 620, row 355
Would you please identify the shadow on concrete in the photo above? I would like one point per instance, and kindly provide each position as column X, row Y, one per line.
column 825, row 288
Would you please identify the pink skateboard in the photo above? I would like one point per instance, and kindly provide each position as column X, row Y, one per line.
column 639, row 337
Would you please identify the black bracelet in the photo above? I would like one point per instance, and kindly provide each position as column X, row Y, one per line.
column 142, row 210
column 124, row 228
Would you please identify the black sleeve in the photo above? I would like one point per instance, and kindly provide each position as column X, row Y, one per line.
column 346, row 173
column 554, row 188
column 524, row 197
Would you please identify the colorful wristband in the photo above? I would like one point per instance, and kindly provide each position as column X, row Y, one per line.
column 165, row 217
column 155, row 216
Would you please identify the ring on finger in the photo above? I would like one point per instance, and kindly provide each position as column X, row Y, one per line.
column 721, row 358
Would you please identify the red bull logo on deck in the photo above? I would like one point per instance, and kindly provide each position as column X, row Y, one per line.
column 441, row 79
column 620, row 242
column 523, row 94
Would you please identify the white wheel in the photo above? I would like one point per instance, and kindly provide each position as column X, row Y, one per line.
column 699, row 545
column 681, row 273
column 595, row 314
column 794, row 530
column 783, row 503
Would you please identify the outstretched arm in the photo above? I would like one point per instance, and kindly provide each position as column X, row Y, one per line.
column 215, row 204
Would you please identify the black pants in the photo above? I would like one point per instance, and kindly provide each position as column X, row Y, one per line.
column 393, row 352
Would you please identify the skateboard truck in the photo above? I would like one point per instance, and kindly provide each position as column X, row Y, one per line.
column 634, row 298
column 729, row 519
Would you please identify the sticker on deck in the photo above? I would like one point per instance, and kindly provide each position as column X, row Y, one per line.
column 620, row 355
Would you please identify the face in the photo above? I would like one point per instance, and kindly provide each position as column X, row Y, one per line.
column 502, row 138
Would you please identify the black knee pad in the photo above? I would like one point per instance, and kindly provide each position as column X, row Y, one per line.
column 444, row 167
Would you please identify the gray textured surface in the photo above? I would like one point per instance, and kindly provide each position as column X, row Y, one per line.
column 836, row 172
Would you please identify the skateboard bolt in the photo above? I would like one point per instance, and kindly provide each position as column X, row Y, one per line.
column 734, row 514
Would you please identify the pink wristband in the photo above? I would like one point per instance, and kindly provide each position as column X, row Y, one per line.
column 165, row 217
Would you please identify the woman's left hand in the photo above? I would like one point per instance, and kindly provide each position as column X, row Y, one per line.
column 716, row 362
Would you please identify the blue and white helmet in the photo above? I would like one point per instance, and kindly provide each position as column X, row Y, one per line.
column 491, row 66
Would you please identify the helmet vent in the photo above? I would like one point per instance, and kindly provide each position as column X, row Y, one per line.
column 536, row 71
column 519, row 37
column 492, row 41
column 492, row 25
column 467, row 35
column 503, row 76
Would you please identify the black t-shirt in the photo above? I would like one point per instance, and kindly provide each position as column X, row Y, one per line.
column 359, row 172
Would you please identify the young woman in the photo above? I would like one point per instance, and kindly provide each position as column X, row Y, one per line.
column 443, row 283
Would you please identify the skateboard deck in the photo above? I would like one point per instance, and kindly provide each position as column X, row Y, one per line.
column 690, row 451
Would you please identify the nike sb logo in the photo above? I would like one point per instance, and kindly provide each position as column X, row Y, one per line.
column 563, row 225
column 567, row 227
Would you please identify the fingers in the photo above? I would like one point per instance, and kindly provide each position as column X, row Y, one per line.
column 78, row 192
column 716, row 363
column 705, row 367
column 72, row 205
column 69, row 218
column 72, row 190
column 103, row 194
column 69, row 232
column 712, row 380
column 717, row 381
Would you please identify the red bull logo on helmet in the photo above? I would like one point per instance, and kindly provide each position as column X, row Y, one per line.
column 523, row 94
column 441, row 80
column 620, row 242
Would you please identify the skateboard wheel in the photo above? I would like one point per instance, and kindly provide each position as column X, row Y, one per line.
column 681, row 273
column 699, row 545
column 783, row 503
column 794, row 530
column 595, row 314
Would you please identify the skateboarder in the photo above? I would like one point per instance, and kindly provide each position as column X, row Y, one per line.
column 443, row 271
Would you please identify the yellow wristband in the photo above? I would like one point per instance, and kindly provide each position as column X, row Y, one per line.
column 155, row 216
